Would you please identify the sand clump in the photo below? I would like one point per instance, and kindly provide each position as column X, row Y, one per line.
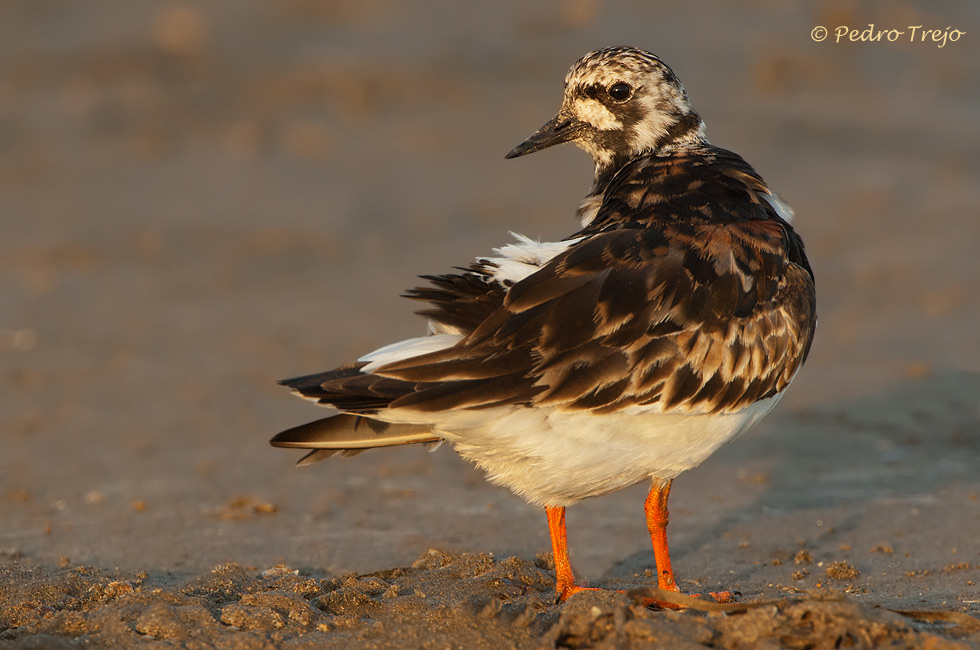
column 441, row 600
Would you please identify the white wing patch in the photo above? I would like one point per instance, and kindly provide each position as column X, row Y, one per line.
column 588, row 209
column 407, row 349
column 780, row 206
column 514, row 262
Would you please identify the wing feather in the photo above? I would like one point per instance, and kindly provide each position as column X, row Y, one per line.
column 687, row 292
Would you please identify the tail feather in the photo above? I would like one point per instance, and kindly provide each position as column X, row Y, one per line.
column 349, row 389
column 349, row 435
column 316, row 455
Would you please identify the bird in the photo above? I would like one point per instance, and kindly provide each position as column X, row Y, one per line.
column 672, row 320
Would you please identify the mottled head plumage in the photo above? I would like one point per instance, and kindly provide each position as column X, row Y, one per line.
column 619, row 103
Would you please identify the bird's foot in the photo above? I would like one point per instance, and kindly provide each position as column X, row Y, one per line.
column 672, row 599
column 563, row 592
column 661, row 598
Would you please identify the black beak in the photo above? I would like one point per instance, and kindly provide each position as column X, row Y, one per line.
column 561, row 128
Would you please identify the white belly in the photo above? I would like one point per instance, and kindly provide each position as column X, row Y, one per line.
column 555, row 458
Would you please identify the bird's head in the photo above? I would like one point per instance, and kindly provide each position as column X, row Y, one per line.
column 620, row 102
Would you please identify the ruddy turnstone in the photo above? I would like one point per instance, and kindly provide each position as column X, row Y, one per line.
column 671, row 321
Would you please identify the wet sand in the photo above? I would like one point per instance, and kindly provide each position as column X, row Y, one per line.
column 198, row 202
column 440, row 601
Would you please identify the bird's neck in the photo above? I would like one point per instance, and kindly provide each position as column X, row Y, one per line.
column 685, row 133
column 607, row 169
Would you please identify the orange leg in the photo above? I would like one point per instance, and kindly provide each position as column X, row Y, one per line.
column 656, row 510
column 564, row 579
column 657, row 517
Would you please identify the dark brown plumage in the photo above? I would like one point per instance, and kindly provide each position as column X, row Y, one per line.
column 686, row 289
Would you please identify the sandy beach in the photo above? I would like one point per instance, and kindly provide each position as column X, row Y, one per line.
column 198, row 201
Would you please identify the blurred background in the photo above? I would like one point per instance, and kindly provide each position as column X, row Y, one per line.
column 199, row 199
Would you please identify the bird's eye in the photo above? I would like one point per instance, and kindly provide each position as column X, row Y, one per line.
column 620, row 91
